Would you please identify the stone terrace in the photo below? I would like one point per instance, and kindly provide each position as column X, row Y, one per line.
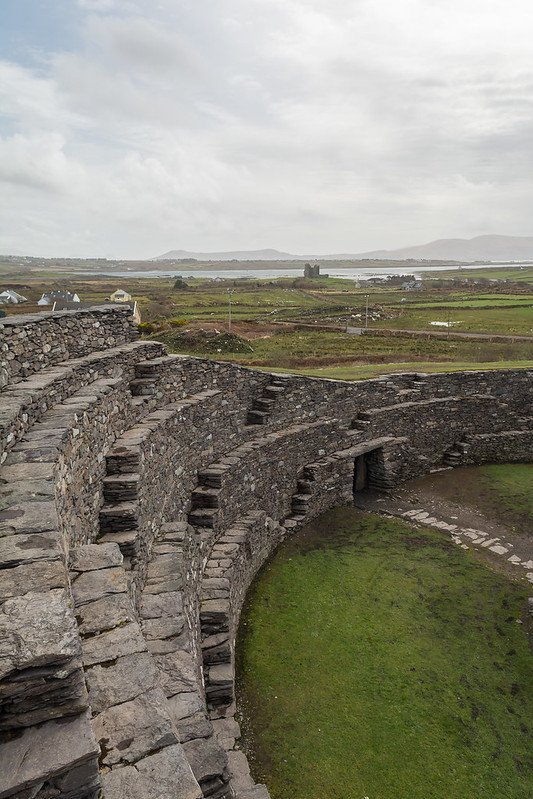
column 139, row 495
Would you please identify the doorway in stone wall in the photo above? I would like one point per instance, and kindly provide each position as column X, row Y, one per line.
column 369, row 470
column 360, row 474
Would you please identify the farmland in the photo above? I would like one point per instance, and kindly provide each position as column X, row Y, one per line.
column 307, row 325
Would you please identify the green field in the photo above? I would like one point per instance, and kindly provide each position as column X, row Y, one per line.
column 375, row 370
column 512, row 274
column 514, row 319
column 346, row 357
column 382, row 661
column 257, row 305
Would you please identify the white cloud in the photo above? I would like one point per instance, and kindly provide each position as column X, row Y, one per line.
column 250, row 123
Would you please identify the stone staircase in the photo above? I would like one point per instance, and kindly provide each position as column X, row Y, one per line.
column 456, row 454
column 262, row 406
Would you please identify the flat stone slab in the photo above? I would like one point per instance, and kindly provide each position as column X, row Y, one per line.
column 121, row 681
column 240, row 770
column 25, row 471
column 177, row 672
column 18, row 549
column 166, row 627
column 95, row 584
column 207, row 758
column 32, row 517
column 91, row 557
column 46, row 751
column 129, row 731
column 155, row 606
column 165, row 775
column 37, row 577
column 109, row 645
column 35, row 630
column 104, row 614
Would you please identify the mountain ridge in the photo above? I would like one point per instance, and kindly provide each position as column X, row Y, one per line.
column 490, row 247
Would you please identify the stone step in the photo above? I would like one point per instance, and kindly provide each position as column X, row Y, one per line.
column 301, row 499
column 257, row 417
column 360, row 424
column 150, row 368
column 300, row 503
column 121, row 487
column 263, row 404
column 62, row 753
column 119, row 516
column 142, row 387
column 273, row 390
column 305, row 486
column 203, row 517
column 127, row 543
column 211, row 477
column 122, row 460
column 205, row 497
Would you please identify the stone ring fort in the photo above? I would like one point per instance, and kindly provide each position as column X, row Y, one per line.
column 140, row 494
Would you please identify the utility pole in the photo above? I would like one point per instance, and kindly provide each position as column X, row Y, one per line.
column 229, row 310
column 366, row 312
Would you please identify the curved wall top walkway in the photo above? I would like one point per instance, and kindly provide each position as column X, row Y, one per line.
column 29, row 343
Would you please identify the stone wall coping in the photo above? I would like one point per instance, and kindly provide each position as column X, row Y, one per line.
column 26, row 320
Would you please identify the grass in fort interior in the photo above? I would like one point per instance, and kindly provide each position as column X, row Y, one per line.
column 382, row 661
column 503, row 492
column 512, row 484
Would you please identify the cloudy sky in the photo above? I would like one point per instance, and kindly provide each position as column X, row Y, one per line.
column 131, row 127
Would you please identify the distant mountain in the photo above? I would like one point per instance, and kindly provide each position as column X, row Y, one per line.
column 480, row 248
column 238, row 255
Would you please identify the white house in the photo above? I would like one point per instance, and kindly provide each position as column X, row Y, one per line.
column 50, row 297
column 120, row 296
column 11, row 297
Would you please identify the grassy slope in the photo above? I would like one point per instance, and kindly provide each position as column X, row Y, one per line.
column 386, row 664
column 348, row 357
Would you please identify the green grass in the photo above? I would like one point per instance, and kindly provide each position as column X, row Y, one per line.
column 504, row 492
column 381, row 661
column 517, row 320
column 514, row 274
column 375, row 370
column 512, row 484
column 476, row 302
column 309, row 349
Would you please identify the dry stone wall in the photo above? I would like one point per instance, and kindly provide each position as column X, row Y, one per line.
column 34, row 342
column 139, row 494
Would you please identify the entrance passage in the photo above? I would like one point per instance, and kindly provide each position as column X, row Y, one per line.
column 360, row 474
column 368, row 469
